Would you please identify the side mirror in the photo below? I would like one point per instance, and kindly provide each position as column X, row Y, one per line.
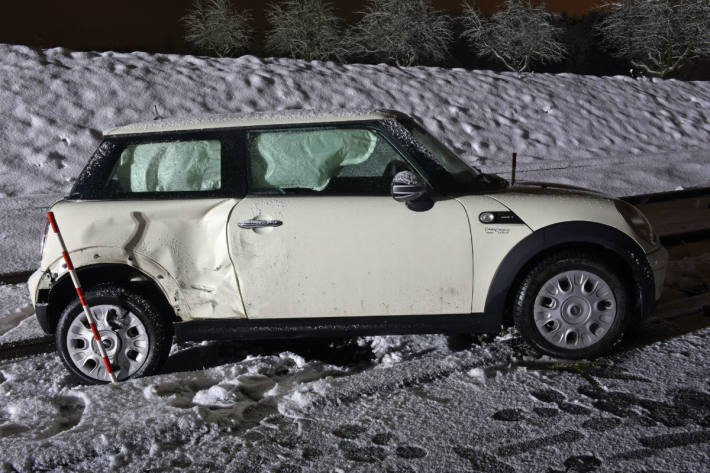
column 407, row 186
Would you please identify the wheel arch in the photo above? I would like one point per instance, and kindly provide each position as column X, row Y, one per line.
column 608, row 242
column 62, row 292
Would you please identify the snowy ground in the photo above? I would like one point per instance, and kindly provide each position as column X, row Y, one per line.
column 395, row 404
column 417, row 403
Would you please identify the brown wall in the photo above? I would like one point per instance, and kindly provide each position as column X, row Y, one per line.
column 152, row 25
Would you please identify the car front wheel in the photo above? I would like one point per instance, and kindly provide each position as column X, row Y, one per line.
column 572, row 305
column 136, row 336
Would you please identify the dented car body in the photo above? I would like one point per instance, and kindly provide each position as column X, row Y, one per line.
column 281, row 225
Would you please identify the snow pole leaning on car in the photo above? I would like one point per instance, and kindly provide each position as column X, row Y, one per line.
column 80, row 293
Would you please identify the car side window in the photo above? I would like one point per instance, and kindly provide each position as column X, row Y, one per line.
column 168, row 166
column 322, row 160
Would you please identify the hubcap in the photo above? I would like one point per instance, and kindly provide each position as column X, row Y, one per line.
column 123, row 335
column 574, row 309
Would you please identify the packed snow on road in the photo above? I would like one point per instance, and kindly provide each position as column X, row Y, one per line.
column 396, row 403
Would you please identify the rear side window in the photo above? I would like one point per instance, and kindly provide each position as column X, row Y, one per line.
column 322, row 160
column 171, row 166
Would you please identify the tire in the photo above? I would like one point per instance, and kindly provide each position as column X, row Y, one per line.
column 572, row 305
column 138, row 336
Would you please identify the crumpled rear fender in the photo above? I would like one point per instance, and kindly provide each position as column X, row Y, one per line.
column 180, row 244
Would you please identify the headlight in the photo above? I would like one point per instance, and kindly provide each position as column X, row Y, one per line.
column 638, row 221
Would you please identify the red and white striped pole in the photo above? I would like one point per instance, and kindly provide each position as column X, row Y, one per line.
column 80, row 293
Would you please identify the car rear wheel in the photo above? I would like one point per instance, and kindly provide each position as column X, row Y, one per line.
column 136, row 336
column 572, row 305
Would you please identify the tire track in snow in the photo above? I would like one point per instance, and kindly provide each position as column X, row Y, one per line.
column 33, row 346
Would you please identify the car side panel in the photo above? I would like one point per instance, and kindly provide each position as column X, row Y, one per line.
column 350, row 256
column 491, row 243
column 180, row 240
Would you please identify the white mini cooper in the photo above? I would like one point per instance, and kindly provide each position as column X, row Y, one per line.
column 303, row 224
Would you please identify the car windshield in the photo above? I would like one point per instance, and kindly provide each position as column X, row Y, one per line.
column 459, row 171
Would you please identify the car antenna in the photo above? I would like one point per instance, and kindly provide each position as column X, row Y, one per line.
column 512, row 177
column 157, row 113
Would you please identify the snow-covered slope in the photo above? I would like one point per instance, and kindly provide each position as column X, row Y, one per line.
column 394, row 404
column 616, row 134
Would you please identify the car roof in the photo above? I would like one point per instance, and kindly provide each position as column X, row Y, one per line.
column 283, row 117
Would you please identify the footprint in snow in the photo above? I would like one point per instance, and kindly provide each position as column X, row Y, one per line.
column 207, row 393
column 399, row 468
column 553, row 396
column 601, row 424
column 574, row 409
column 311, row 453
column 255, row 386
column 368, row 454
column 549, row 395
column 482, row 461
column 568, row 436
column 687, row 406
column 582, row 464
column 178, row 394
column 509, row 415
column 41, row 419
column 410, row 452
column 382, row 438
column 288, row 468
column 579, row 464
column 545, row 411
column 70, row 410
column 348, row 431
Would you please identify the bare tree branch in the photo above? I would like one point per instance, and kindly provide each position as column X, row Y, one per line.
column 215, row 27
column 402, row 32
column 305, row 29
column 658, row 37
column 518, row 36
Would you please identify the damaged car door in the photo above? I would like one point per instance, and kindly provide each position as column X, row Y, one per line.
column 318, row 234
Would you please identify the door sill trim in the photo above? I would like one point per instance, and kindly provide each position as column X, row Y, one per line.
column 276, row 328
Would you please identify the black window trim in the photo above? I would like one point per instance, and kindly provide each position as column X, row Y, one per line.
column 235, row 177
column 233, row 184
column 372, row 125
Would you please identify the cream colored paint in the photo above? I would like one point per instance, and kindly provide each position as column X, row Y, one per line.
column 183, row 240
column 351, row 256
column 333, row 256
column 540, row 208
column 216, row 121
column 491, row 243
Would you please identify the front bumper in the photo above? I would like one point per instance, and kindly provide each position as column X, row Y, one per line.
column 39, row 301
column 33, row 285
column 658, row 260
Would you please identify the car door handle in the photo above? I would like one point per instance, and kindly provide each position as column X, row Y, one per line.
column 255, row 223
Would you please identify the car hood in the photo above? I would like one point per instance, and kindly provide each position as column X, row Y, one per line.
column 550, row 188
column 539, row 204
